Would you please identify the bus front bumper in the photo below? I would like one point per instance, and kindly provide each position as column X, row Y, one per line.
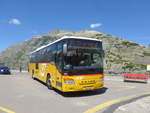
column 68, row 88
column 82, row 87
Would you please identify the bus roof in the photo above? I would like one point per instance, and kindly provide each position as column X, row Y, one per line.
column 65, row 37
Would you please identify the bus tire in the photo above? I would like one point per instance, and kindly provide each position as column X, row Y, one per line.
column 33, row 75
column 48, row 82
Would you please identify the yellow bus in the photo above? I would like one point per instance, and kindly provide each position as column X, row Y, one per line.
column 69, row 64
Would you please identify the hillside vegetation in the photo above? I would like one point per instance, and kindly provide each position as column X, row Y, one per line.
column 120, row 54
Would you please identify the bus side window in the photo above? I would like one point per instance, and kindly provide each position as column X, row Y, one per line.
column 58, row 57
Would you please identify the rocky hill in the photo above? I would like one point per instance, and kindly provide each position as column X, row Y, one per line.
column 120, row 54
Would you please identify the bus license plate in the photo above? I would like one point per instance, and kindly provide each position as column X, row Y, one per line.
column 88, row 87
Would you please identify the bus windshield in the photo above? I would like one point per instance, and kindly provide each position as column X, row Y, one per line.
column 82, row 60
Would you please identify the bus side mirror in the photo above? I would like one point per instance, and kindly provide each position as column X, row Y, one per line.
column 65, row 49
column 68, row 67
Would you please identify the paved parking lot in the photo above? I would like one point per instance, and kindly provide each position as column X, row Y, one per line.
column 20, row 94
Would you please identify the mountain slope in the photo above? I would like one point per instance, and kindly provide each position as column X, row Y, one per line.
column 120, row 54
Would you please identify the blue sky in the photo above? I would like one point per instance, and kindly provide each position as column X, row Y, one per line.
column 22, row 19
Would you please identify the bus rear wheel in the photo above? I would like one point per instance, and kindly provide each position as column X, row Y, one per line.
column 33, row 75
column 48, row 82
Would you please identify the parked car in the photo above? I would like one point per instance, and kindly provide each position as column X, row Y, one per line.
column 136, row 77
column 4, row 70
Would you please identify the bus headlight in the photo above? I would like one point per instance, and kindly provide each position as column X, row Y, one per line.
column 70, row 82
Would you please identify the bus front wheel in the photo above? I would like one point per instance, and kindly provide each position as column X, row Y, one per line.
column 48, row 82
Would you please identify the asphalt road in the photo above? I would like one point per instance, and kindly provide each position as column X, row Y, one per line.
column 20, row 94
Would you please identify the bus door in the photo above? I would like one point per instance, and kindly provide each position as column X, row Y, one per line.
column 36, row 69
column 58, row 62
